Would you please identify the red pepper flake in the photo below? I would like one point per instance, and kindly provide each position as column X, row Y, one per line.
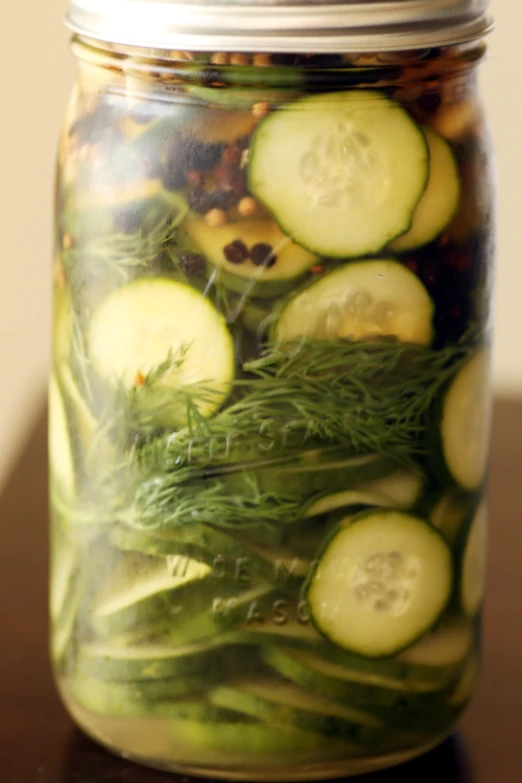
column 317, row 269
column 231, row 156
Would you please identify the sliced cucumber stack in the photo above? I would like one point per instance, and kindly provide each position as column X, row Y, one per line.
column 140, row 588
column 464, row 429
column 276, row 701
column 130, row 699
column 362, row 300
column 380, row 583
column 148, row 661
column 291, row 633
column 222, row 612
column 150, row 322
column 347, row 684
column 342, row 172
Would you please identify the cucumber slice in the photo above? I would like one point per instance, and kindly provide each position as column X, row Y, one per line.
column 400, row 490
column 362, row 300
column 457, row 121
column 229, row 556
column 466, row 684
column 139, row 588
column 148, row 661
column 450, row 513
column 465, row 422
column 221, row 613
column 291, row 262
column 440, row 200
column 380, row 583
column 61, row 459
column 447, row 646
column 290, row 634
column 130, row 699
column 275, row 701
column 138, row 327
column 342, row 172
column 353, row 685
column 474, row 563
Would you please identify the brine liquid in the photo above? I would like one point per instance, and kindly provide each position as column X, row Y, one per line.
column 189, row 518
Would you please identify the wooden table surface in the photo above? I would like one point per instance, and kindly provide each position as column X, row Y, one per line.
column 39, row 744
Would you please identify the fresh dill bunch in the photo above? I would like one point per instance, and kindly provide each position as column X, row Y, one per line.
column 364, row 397
column 341, row 399
column 298, row 405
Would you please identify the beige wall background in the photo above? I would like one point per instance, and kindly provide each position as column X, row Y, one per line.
column 36, row 71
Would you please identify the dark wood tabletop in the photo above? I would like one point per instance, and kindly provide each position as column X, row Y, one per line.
column 39, row 744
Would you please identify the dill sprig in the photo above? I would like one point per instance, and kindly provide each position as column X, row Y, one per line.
column 366, row 397
column 298, row 409
column 340, row 398
column 121, row 252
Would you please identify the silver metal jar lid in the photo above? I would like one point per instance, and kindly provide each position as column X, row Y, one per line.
column 281, row 25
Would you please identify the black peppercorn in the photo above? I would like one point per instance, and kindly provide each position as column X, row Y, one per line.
column 236, row 252
column 192, row 264
column 200, row 201
column 262, row 254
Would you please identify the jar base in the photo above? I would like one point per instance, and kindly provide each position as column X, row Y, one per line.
column 123, row 737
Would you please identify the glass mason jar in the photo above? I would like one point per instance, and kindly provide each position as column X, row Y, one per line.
column 269, row 401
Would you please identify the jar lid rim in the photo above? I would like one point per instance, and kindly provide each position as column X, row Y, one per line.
column 281, row 25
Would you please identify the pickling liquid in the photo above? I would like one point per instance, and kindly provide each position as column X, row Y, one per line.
column 269, row 410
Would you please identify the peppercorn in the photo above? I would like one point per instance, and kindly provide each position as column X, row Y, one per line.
column 192, row 264
column 215, row 218
column 199, row 155
column 262, row 60
column 221, row 199
column 199, row 201
column 429, row 101
column 231, row 156
column 248, row 206
column 262, row 254
column 195, row 179
column 230, row 178
column 260, row 109
column 220, row 58
column 236, row 252
column 239, row 58
column 67, row 241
